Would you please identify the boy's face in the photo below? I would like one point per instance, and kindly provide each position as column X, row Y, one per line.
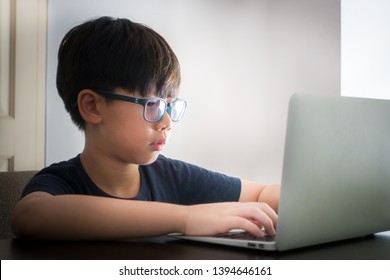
column 127, row 136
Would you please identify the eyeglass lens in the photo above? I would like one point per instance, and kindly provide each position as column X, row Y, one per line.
column 155, row 109
column 177, row 110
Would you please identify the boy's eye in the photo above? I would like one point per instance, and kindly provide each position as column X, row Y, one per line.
column 153, row 104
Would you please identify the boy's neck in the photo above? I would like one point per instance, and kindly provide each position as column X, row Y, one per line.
column 114, row 178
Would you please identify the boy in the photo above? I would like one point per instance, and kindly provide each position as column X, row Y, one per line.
column 119, row 82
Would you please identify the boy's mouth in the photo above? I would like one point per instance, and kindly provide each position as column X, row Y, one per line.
column 159, row 145
column 161, row 142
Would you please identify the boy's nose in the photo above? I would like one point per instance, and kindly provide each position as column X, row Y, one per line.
column 165, row 123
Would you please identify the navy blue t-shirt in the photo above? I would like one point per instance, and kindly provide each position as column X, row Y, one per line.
column 165, row 180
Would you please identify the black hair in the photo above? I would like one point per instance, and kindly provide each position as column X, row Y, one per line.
column 107, row 53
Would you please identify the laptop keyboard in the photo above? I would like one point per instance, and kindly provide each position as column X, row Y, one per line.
column 245, row 236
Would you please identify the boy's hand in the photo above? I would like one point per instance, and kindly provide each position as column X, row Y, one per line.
column 215, row 218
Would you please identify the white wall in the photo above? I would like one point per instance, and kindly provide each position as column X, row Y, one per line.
column 241, row 60
column 365, row 26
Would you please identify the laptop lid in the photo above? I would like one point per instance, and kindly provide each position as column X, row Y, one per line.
column 336, row 170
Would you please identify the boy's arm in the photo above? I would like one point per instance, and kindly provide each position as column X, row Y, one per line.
column 40, row 215
column 252, row 191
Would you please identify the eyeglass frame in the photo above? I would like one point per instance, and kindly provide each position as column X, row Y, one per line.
column 143, row 102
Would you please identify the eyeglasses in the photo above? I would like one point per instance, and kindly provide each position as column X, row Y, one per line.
column 154, row 108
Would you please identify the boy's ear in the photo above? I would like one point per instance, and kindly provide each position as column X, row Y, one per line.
column 89, row 103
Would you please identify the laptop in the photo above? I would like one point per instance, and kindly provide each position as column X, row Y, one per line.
column 336, row 174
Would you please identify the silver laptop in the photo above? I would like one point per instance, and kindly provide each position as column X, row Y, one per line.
column 336, row 174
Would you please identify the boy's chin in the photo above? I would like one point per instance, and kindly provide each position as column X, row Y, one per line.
column 150, row 160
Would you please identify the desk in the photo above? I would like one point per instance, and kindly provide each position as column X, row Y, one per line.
column 167, row 248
